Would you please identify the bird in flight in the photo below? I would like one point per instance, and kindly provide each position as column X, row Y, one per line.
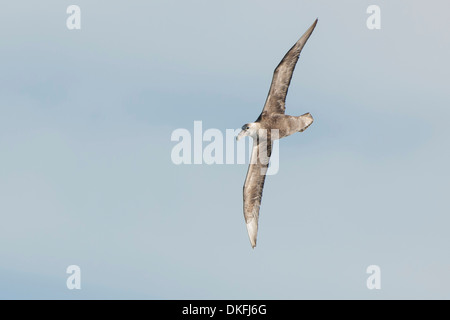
column 271, row 124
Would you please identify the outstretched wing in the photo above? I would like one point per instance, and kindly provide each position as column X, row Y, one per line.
column 254, row 184
column 275, row 102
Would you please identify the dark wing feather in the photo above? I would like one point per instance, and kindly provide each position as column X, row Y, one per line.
column 275, row 102
column 254, row 184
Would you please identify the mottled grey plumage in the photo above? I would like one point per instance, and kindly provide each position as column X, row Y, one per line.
column 271, row 122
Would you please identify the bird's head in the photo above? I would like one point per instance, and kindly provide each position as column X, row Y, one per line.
column 249, row 129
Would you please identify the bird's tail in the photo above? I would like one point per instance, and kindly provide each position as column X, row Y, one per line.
column 305, row 121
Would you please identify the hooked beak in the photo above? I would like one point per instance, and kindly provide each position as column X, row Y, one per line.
column 240, row 135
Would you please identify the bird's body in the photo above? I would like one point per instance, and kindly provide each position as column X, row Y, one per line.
column 272, row 124
column 286, row 125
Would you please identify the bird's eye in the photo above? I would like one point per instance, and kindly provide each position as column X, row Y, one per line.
column 247, row 128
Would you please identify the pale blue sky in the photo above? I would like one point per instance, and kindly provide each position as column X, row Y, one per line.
column 85, row 170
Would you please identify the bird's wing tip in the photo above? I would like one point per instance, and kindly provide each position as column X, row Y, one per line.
column 252, row 229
